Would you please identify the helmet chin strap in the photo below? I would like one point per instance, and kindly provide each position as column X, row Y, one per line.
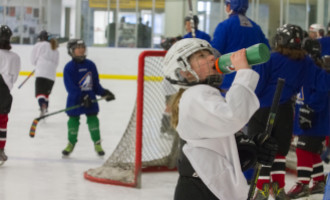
column 212, row 80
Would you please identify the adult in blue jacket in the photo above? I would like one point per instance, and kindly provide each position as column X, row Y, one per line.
column 236, row 32
column 81, row 81
column 290, row 62
column 198, row 33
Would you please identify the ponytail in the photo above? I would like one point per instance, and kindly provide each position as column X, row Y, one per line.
column 174, row 104
column 53, row 44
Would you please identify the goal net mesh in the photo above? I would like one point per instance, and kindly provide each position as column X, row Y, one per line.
column 148, row 143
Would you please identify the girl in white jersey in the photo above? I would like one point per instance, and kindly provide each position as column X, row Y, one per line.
column 45, row 57
column 209, row 164
column 10, row 65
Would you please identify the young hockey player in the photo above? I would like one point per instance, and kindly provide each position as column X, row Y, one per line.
column 198, row 33
column 311, row 126
column 45, row 57
column 290, row 62
column 10, row 65
column 209, row 163
column 81, row 81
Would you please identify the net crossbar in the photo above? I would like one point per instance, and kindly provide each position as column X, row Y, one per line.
column 146, row 126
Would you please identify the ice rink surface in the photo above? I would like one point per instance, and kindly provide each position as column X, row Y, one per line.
column 35, row 169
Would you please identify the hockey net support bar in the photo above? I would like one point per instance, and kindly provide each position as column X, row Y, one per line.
column 159, row 149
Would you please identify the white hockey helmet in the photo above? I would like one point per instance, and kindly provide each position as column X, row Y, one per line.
column 176, row 60
column 316, row 27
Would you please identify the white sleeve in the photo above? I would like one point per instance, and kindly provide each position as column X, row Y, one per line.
column 34, row 55
column 204, row 113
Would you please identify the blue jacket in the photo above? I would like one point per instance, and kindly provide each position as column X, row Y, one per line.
column 81, row 79
column 325, row 45
column 297, row 73
column 200, row 35
column 319, row 102
column 235, row 33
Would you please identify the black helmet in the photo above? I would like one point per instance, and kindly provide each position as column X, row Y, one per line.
column 43, row 36
column 74, row 43
column 5, row 33
column 289, row 36
column 312, row 46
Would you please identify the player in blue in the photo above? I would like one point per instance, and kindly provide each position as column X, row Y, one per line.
column 236, row 32
column 81, row 81
column 311, row 126
column 290, row 62
column 198, row 33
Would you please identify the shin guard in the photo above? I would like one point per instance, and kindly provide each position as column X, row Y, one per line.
column 93, row 126
column 73, row 127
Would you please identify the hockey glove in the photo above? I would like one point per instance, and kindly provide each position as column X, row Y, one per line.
column 305, row 117
column 86, row 101
column 267, row 151
column 108, row 95
column 247, row 151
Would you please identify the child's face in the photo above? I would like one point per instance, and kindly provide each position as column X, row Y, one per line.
column 79, row 51
column 187, row 26
column 203, row 63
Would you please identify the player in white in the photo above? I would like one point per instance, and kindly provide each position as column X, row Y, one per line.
column 10, row 65
column 45, row 57
column 209, row 164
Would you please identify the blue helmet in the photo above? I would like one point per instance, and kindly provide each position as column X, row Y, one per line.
column 238, row 6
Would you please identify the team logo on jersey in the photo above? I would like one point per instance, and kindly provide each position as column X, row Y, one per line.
column 86, row 83
column 300, row 97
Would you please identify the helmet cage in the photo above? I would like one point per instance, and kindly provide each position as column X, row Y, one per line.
column 177, row 61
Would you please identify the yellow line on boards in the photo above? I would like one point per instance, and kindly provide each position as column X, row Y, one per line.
column 108, row 76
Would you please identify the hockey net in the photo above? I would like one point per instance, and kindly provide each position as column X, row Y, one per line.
column 148, row 143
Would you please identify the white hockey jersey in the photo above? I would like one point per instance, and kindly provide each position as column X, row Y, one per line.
column 10, row 65
column 45, row 59
column 208, row 122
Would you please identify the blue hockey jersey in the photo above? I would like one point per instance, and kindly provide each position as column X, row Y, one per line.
column 235, row 33
column 81, row 78
column 297, row 73
column 200, row 35
column 319, row 102
column 325, row 45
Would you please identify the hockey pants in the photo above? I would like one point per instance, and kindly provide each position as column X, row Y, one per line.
column 93, row 126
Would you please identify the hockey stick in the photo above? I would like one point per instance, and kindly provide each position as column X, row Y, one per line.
column 27, row 78
column 36, row 120
column 264, row 136
column 192, row 22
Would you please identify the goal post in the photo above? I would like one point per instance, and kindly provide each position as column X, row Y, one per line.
column 148, row 143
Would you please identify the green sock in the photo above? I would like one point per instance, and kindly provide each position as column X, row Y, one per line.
column 73, row 126
column 93, row 126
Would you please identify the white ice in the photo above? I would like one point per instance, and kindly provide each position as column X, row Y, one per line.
column 36, row 170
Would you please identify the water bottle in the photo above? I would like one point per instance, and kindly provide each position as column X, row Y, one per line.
column 256, row 54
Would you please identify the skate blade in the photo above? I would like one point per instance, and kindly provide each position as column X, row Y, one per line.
column 2, row 162
column 316, row 197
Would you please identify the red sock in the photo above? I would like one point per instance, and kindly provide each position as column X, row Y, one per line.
column 318, row 170
column 278, row 170
column 3, row 130
column 304, row 165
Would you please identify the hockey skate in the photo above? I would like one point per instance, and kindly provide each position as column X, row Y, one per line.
column 98, row 149
column 299, row 191
column 3, row 157
column 317, row 190
column 262, row 194
column 279, row 193
column 68, row 150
